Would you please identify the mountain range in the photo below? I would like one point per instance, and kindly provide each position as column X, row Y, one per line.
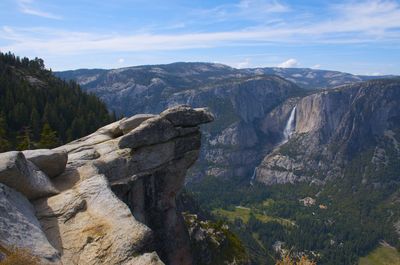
column 328, row 139
column 246, row 102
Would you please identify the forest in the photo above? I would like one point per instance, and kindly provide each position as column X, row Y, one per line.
column 39, row 110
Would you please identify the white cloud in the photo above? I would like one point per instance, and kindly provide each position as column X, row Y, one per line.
column 121, row 60
column 25, row 6
column 289, row 63
column 243, row 64
column 316, row 66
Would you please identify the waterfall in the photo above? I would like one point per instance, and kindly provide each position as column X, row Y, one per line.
column 253, row 177
column 289, row 128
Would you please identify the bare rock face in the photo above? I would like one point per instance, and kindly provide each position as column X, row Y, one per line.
column 273, row 124
column 50, row 162
column 116, row 200
column 333, row 127
column 131, row 123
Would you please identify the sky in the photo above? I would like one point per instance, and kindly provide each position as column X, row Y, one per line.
column 359, row 37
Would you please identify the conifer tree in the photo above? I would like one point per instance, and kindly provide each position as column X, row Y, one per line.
column 48, row 137
column 24, row 140
column 35, row 123
column 4, row 143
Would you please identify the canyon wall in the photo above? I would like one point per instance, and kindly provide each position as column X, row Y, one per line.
column 334, row 127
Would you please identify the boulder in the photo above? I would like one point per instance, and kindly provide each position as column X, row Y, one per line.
column 19, row 227
column 185, row 116
column 23, row 176
column 51, row 162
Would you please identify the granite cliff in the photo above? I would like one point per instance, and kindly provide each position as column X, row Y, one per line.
column 334, row 128
column 107, row 198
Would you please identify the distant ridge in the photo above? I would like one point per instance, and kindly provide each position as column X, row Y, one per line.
column 304, row 77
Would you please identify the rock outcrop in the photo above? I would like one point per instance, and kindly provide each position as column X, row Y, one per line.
column 116, row 200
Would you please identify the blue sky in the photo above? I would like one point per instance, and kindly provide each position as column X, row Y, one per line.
column 361, row 37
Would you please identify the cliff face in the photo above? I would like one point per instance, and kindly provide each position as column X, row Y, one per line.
column 334, row 127
column 114, row 203
column 234, row 143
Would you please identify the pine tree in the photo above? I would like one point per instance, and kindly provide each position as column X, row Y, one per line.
column 24, row 140
column 48, row 137
column 4, row 143
column 35, row 123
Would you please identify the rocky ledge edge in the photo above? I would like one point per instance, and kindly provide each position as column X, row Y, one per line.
column 107, row 198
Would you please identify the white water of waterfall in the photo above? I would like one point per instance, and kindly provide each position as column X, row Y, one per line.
column 289, row 128
column 253, row 177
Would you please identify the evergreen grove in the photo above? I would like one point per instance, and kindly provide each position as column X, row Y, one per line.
column 39, row 110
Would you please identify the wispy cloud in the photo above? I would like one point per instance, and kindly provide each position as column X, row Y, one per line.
column 26, row 7
column 264, row 6
column 356, row 22
column 244, row 9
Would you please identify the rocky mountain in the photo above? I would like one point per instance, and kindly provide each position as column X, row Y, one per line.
column 313, row 78
column 107, row 198
column 187, row 75
column 333, row 128
column 240, row 99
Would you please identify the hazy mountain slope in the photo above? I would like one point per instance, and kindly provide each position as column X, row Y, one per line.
column 314, row 78
column 186, row 75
